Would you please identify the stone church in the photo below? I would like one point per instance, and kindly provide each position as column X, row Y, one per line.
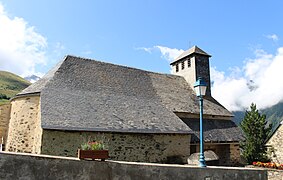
column 143, row 116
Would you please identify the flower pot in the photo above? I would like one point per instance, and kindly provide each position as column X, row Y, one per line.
column 93, row 154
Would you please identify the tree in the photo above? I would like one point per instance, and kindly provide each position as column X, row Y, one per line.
column 255, row 133
column 3, row 96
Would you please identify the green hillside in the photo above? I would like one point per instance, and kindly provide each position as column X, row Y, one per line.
column 10, row 85
column 274, row 114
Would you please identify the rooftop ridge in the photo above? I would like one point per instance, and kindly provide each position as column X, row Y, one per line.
column 119, row 65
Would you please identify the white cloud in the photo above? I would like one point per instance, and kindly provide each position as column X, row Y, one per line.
column 169, row 53
column 145, row 49
column 166, row 53
column 254, row 67
column 228, row 90
column 58, row 48
column 273, row 37
column 21, row 47
column 260, row 83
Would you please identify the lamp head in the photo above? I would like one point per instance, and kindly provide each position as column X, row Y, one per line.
column 200, row 87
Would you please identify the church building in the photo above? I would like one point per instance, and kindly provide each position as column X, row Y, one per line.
column 142, row 116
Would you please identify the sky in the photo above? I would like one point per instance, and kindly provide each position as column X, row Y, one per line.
column 243, row 37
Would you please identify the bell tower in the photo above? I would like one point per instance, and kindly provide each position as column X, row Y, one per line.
column 191, row 64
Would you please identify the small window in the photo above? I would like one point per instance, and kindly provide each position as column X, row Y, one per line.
column 177, row 67
column 189, row 62
column 183, row 65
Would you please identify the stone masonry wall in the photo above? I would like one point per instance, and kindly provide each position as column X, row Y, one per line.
column 34, row 167
column 235, row 157
column 202, row 70
column 24, row 134
column 276, row 143
column 4, row 121
column 122, row 146
column 229, row 154
column 274, row 174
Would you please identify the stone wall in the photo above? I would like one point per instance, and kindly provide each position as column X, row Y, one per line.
column 229, row 154
column 274, row 174
column 275, row 144
column 4, row 121
column 24, row 134
column 165, row 148
column 235, row 157
column 202, row 70
column 46, row 167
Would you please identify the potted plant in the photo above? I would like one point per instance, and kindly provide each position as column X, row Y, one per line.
column 93, row 150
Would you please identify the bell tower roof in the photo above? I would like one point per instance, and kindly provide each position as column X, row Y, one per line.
column 193, row 50
column 192, row 64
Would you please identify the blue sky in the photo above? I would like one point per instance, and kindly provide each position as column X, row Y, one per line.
column 145, row 34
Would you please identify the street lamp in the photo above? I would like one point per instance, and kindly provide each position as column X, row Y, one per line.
column 200, row 89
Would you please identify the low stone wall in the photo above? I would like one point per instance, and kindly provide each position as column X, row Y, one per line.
column 275, row 174
column 4, row 121
column 162, row 148
column 24, row 133
column 35, row 167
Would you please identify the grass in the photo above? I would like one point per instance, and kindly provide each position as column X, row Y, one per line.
column 3, row 101
column 10, row 85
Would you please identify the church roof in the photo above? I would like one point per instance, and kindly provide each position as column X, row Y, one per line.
column 193, row 50
column 215, row 130
column 84, row 94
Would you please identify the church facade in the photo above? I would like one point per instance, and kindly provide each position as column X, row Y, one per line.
column 141, row 116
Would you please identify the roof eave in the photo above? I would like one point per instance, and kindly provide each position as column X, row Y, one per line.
column 25, row 95
column 74, row 129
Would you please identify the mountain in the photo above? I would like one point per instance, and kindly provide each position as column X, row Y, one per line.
column 238, row 116
column 274, row 115
column 10, row 85
column 32, row 78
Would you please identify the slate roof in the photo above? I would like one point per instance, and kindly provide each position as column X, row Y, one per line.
column 193, row 50
column 41, row 83
column 83, row 94
column 215, row 130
